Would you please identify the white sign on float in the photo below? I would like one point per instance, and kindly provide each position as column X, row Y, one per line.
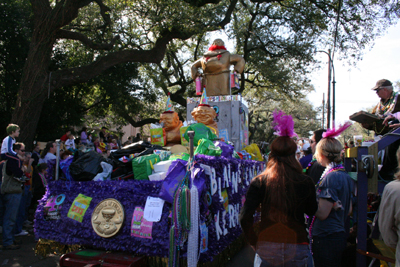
column 153, row 209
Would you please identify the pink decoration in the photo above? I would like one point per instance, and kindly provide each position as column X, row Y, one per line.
column 283, row 124
column 332, row 133
column 198, row 86
column 235, row 80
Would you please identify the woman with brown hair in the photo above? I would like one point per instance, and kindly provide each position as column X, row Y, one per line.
column 285, row 194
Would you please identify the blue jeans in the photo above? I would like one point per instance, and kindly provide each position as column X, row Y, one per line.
column 328, row 250
column 22, row 213
column 11, row 205
column 284, row 254
column 2, row 204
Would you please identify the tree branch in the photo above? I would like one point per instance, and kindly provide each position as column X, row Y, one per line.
column 104, row 11
column 85, row 40
column 200, row 3
column 134, row 123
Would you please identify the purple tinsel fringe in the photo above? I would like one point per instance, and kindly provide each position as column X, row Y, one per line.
column 132, row 194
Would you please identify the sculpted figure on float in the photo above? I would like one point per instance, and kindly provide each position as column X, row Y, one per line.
column 215, row 64
column 172, row 125
column 206, row 115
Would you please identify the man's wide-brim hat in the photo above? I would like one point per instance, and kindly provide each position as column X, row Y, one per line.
column 381, row 83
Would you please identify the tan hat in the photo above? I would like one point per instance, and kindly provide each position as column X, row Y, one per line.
column 381, row 83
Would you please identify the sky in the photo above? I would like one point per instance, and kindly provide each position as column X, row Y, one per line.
column 353, row 85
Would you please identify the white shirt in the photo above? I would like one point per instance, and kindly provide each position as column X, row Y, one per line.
column 70, row 143
column 6, row 146
column 49, row 156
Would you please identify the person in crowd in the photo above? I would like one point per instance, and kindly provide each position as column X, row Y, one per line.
column 113, row 144
column 298, row 154
column 128, row 142
column 35, row 154
column 70, row 143
column 96, row 144
column 11, row 190
column 65, row 136
column 39, row 182
column 306, row 159
column 103, row 133
column 387, row 105
column 351, row 144
column 314, row 169
column 389, row 216
column 285, row 195
column 90, row 139
column 334, row 194
column 102, row 146
column 65, row 154
column 8, row 142
column 119, row 139
column 26, row 195
column 83, row 135
column 137, row 138
column 48, row 153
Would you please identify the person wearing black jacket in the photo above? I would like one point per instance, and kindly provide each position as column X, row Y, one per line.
column 39, row 182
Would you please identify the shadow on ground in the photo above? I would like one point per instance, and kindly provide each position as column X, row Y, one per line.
column 25, row 256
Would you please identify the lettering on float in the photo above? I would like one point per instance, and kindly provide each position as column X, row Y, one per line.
column 232, row 180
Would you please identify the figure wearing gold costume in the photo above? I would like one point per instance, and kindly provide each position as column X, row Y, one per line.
column 215, row 64
column 206, row 115
column 172, row 126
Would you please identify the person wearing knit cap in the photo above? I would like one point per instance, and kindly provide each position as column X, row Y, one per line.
column 171, row 124
column 215, row 64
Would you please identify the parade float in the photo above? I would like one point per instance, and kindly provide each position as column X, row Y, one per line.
column 177, row 208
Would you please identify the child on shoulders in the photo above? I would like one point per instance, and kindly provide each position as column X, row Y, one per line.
column 6, row 146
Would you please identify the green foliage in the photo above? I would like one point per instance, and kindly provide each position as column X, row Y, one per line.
column 305, row 116
column 15, row 30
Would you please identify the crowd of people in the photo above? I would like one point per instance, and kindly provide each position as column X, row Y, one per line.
column 23, row 175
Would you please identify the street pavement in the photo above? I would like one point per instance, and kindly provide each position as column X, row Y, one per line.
column 25, row 256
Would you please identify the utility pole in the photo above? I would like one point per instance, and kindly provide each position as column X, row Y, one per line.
column 328, row 112
column 323, row 110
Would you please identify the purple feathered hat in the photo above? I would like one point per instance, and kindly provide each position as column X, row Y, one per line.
column 283, row 124
column 332, row 133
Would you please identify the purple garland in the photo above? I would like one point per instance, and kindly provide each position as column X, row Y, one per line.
column 132, row 194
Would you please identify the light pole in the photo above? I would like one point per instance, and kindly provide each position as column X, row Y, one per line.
column 328, row 100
